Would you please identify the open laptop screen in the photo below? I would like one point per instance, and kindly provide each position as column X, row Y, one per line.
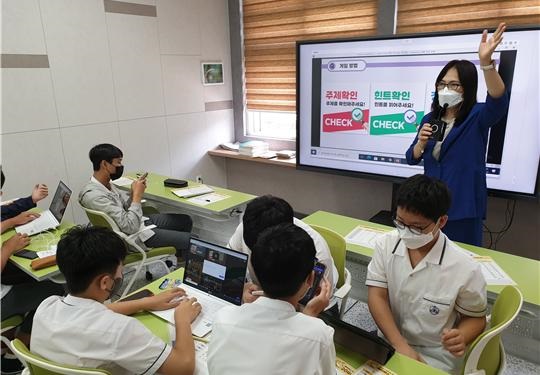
column 216, row 270
column 60, row 201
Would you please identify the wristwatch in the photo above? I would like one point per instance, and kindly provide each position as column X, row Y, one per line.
column 488, row 67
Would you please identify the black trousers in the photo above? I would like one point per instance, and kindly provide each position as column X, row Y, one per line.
column 172, row 230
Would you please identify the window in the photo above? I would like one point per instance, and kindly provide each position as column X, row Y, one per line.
column 270, row 31
column 271, row 124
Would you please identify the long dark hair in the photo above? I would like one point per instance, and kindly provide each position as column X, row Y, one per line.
column 468, row 77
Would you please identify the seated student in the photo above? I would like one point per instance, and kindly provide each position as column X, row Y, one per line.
column 269, row 336
column 20, row 293
column 14, row 212
column 427, row 297
column 264, row 212
column 124, row 208
column 80, row 330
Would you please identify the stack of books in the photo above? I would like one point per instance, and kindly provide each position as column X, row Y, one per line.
column 253, row 148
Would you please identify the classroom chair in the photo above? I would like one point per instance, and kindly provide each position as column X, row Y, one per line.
column 338, row 249
column 142, row 258
column 485, row 356
column 8, row 324
column 37, row 365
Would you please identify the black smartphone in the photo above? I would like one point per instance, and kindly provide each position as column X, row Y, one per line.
column 27, row 254
column 438, row 128
column 140, row 294
column 164, row 284
column 319, row 269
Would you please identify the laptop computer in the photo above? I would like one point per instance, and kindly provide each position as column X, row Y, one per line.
column 51, row 218
column 215, row 275
column 358, row 340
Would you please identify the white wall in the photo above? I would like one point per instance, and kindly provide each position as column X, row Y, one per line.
column 130, row 80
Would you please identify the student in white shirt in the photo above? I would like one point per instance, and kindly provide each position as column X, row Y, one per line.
column 262, row 213
column 269, row 336
column 80, row 330
column 427, row 296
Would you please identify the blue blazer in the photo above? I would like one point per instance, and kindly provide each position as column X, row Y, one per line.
column 462, row 161
column 15, row 208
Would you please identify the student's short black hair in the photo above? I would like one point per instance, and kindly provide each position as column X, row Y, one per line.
column 3, row 178
column 425, row 196
column 468, row 78
column 264, row 212
column 104, row 151
column 282, row 259
column 85, row 252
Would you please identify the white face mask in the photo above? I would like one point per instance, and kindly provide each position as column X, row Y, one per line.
column 414, row 241
column 449, row 97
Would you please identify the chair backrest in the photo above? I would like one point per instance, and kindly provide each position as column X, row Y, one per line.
column 485, row 352
column 100, row 219
column 37, row 365
column 338, row 249
column 8, row 324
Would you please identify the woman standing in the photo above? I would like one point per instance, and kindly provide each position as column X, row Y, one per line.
column 460, row 158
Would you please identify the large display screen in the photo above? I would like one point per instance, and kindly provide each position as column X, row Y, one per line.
column 360, row 103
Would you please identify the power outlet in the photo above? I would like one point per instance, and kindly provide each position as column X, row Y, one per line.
column 199, row 179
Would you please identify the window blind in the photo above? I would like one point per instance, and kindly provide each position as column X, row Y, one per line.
column 270, row 31
column 416, row 16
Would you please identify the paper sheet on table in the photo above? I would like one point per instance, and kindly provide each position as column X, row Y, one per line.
column 46, row 253
column 122, row 181
column 373, row 368
column 203, row 200
column 493, row 273
column 364, row 236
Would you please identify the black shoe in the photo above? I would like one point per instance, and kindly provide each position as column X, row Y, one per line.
column 11, row 365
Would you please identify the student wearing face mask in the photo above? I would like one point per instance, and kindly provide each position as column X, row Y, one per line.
column 80, row 330
column 125, row 209
column 460, row 158
column 427, row 297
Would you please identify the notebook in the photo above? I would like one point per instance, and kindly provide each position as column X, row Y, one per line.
column 193, row 191
column 51, row 218
column 215, row 275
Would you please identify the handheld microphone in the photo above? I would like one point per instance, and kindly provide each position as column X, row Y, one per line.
column 438, row 126
column 442, row 111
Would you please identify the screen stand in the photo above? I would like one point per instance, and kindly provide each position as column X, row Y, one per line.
column 385, row 217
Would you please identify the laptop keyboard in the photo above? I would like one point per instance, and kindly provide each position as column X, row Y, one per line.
column 203, row 323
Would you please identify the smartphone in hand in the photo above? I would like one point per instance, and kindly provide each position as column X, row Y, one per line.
column 319, row 269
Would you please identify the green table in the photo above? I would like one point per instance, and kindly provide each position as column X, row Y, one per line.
column 525, row 272
column 213, row 222
column 41, row 241
column 155, row 190
column 398, row 363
